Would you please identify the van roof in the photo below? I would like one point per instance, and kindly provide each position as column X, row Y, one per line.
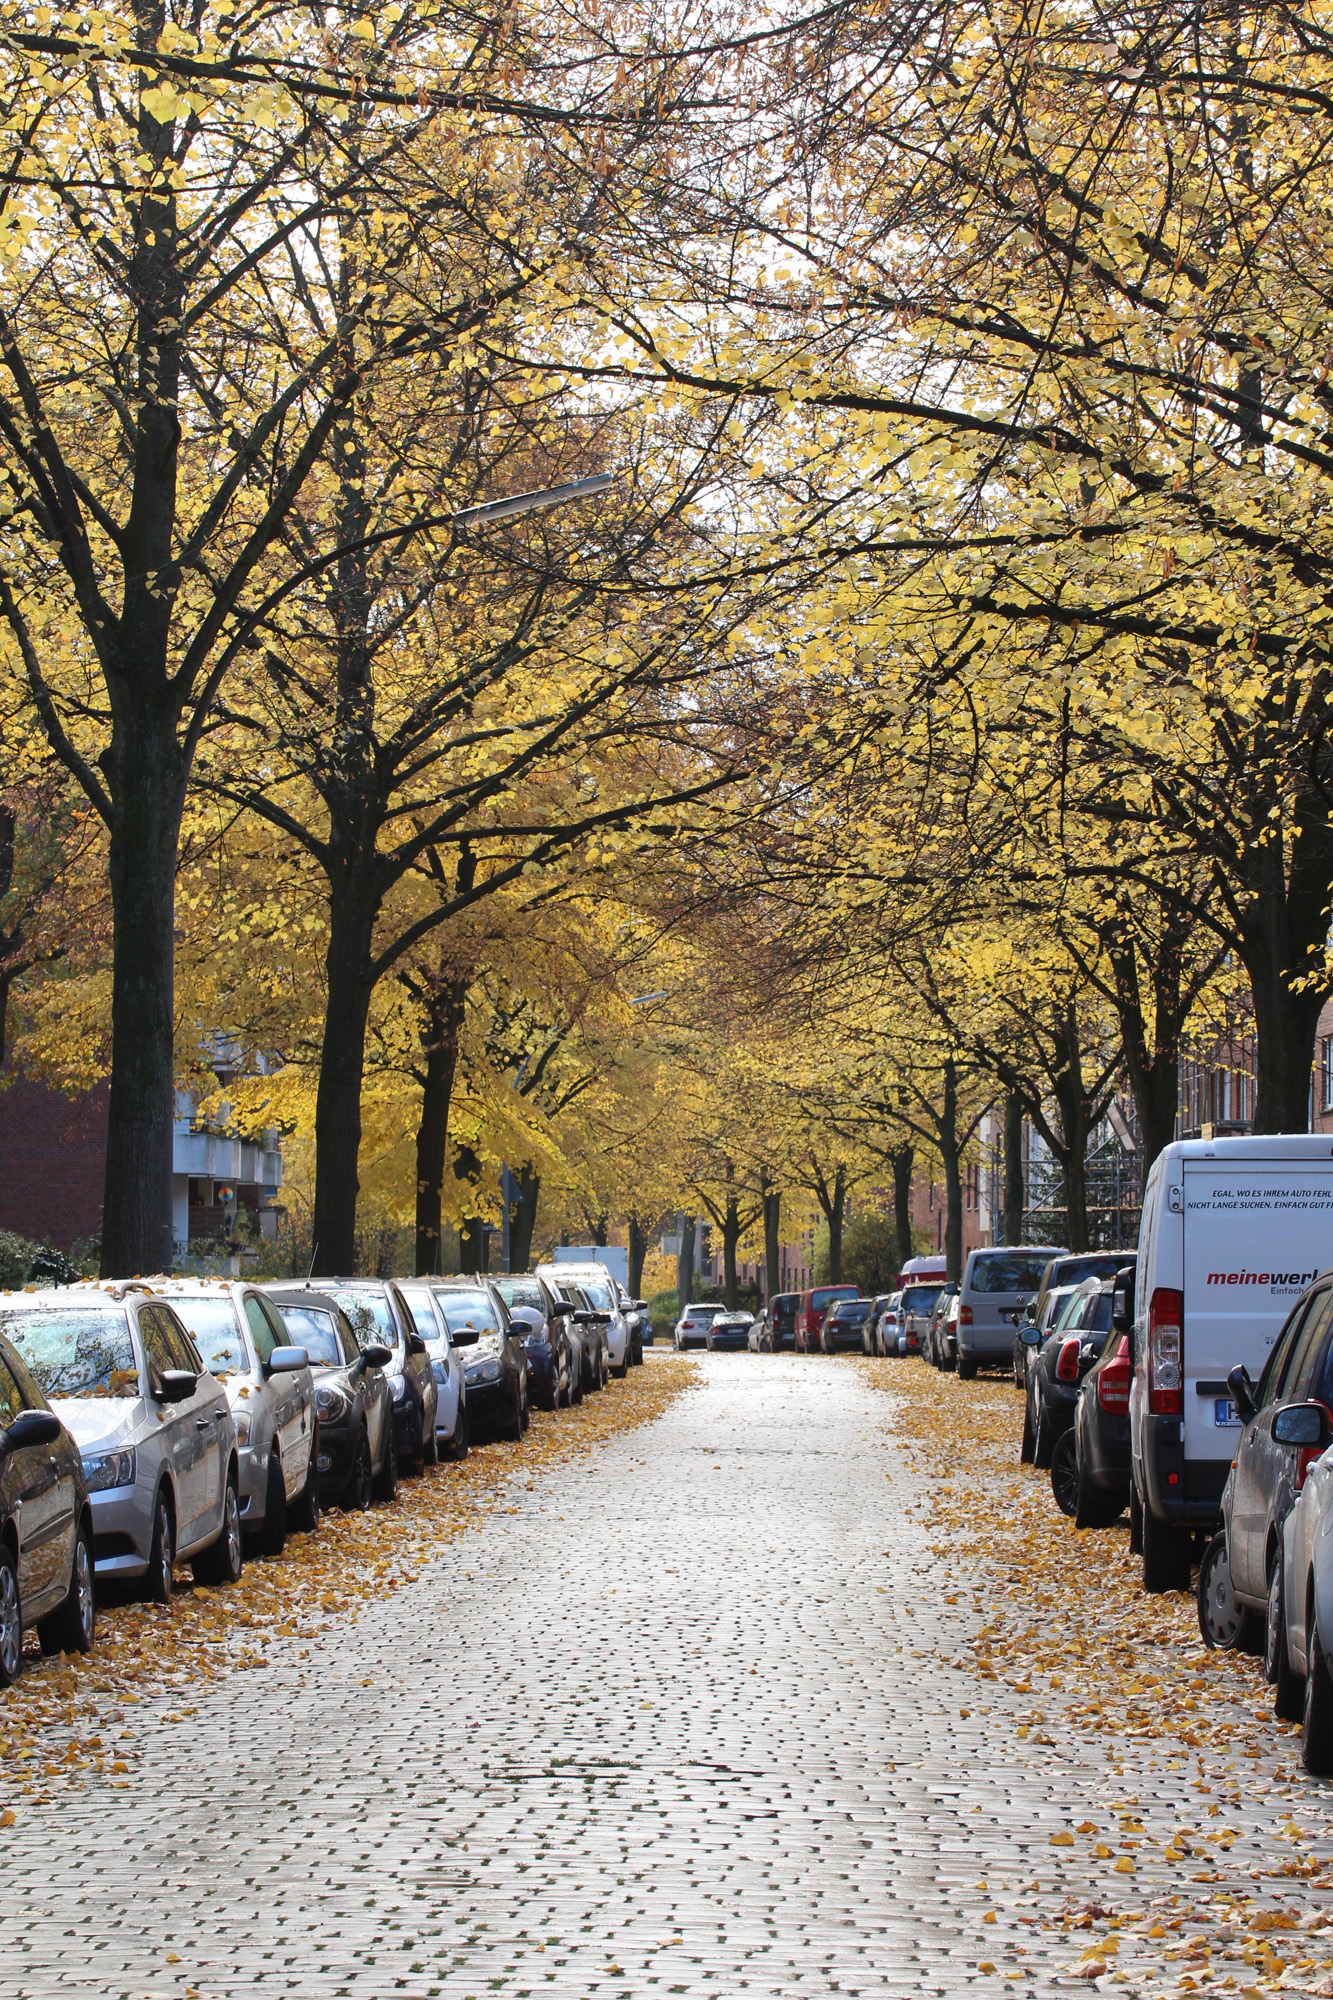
column 1256, row 1146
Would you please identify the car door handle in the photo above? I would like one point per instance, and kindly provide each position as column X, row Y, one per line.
column 203, row 1423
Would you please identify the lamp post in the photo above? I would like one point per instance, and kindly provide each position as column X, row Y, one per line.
column 528, row 503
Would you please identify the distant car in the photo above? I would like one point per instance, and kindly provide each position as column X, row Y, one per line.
column 940, row 1350
column 358, row 1452
column 884, row 1340
column 810, row 1313
column 1304, row 1628
column 46, row 1525
column 759, row 1339
column 729, row 1329
column 844, row 1326
column 600, row 1294
column 915, row 1306
column 1041, row 1318
column 693, row 1324
column 451, row 1420
column 1101, row 1430
column 552, row 1362
column 1056, row 1375
column 380, row 1314
column 245, row 1343
column 1061, row 1275
column 870, row 1335
column 782, row 1308
column 495, row 1362
column 152, row 1425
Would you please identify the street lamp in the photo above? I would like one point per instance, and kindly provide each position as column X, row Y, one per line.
column 528, row 503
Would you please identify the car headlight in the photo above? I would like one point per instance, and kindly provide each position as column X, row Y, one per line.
column 486, row 1368
column 110, row 1468
column 398, row 1385
column 330, row 1405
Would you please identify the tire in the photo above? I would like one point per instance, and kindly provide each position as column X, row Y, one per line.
column 1166, row 1556
column 621, row 1372
column 526, row 1408
column 430, row 1451
column 357, row 1494
column 161, row 1552
column 71, row 1629
column 456, row 1448
column 1135, row 1519
column 513, row 1430
column 1092, row 1510
column 1064, row 1474
column 575, row 1394
column 1317, row 1711
column 1043, row 1444
column 386, row 1482
column 225, row 1559
column 1223, row 1624
column 1288, row 1687
column 1027, row 1450
column 967, row 1367
column 11, row 1620
column 272, row 1537
column 303, row 1514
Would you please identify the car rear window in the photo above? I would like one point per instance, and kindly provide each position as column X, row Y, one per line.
column 854, row 1310
column 827, row 1293
column 1007, row 1274
column 920, row 1298
column 1073, row 1270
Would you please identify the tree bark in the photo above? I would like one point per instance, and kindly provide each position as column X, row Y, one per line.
column 731, row 1232
column 951, row 1161
column 685, row 1262
column 772, row 1239
column 439, row 1035
column 338, row 1098
column 833, row 1204
column 523, row 1216
column 1072, row 1103
column 1282, row 936
column 1014, row 1204
column 638, row 1250
column 904, row 1159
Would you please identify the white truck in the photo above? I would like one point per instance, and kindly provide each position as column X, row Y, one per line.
column 613, row 1257
column 1232, row 1232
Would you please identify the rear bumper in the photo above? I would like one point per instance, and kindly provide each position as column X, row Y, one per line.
column 1186, row 1492
column 986, row 1343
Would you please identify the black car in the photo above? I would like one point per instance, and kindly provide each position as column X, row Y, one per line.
column 356, row 1447
column 783, row 1308
column 729, row 1329
column 380, row 1314
column 539, row 1317
column 46, row 1526
column 1062, row 1274
column 1056, row 1372
column 495, row 1362
column 1240, row 1579
column 843, row 1325
column 1101, row 1421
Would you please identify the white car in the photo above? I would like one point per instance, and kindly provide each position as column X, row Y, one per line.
column 599, row 1288
column 1298, row 1655
column 693, row 1324
column 446, row 1364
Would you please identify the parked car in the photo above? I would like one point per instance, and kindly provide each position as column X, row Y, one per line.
column 843, row 1326
column 870, row 1330
column 997, row 1285
column 1043, row 1318
column 245, row 1344
column 495, row 1363
column 1101, row 1421
column 382, row 1316
column 152, row 1426
column 1232, row 1231
column 933, row 1344
column 916, row 1303
column 759, row 1339
column 1306, row 1601
column 600, row 1294
column 888, row 1326
column 729, row 1329
column 552, row 1362
column 783, row 1308
column 693, row 1324
column 1060, row 1276
column 1056, row 1373
column 810, row 1313
column 46, row 1525
column 358, row 1451
column 1240, row 1578
column 451, row 1420
column 640, row 1328
column 590, row 1323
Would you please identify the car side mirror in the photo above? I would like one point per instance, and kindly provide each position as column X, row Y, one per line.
column 286, row 1360
column 176, row 1385
column 560, row 1309
column 1303, row 1424
column 415, row 1344
column 376, row 1356
column 33, row 1427
column 1030, row 1337
column 1242, row 1392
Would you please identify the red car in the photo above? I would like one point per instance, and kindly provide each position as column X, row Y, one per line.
column 810, row 1311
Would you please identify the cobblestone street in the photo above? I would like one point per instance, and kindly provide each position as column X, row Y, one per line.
column 696, row 1719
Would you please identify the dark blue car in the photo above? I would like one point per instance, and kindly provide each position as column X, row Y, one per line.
column 538, row 1317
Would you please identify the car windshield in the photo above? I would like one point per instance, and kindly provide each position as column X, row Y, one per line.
column 521, row 1292
column 418, row 1298
column 369, row 1312
column 83, row 1351
column 211, row 1324
column 920, row 1298
column 467, row 1315
column 314, row 1330
column 1007, row 1274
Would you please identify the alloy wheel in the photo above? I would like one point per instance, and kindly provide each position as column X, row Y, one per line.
column 85, row 1596
column 11, row 1624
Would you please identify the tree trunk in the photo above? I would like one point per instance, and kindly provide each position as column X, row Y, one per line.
column 1014, row 1203
column 638, row 1250
column 474, row 1247
column 439, row 1035
column 772, row 1240
column 1072, row 1103
column 685, row 1262
column 598, row 1230
column 731, row 1233
column 950, row 1159
column 523, row 1216
column 1282, row 936
column 342, row 1059
column 833, row 1204
column 904, row 1158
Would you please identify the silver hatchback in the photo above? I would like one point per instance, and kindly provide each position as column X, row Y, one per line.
column 243, row 1341
column 152, row 1425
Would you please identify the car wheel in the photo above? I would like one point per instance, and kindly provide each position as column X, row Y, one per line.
column 430, row 1451
column 1135, row 1519
column 1166, row 1556
column 514, row 1428
column 575, row 1395
column 1027, row 1450
column 11, row 1620
column 304, row 1511
column 386, row 1486
column 71, row 1628
column 456, row 1449
column 1288, row 1690
column 161, row 1553
column 224, row 1559
column 1317, row 1714
column 1043, row 1444
column 1221, row 1619
column 1091, row 1510
column 967, row 1367
column 360, row 1485
column 1064, row 1474
column 273, row 1535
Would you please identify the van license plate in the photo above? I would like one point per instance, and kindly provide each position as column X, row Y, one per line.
column 1224, row 1412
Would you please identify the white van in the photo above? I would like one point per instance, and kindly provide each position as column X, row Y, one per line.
column 1232, row 1232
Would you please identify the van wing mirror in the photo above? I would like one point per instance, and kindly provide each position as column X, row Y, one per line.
column 1242, row 1392
column 1303, row 1424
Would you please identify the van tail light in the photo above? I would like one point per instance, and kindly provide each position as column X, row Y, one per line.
column 1066, row 1361
column 964, row 1315
column 1166, row 1360
column 1113, row 1383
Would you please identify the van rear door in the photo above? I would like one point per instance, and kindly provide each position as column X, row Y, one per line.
column 1256, row 1233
